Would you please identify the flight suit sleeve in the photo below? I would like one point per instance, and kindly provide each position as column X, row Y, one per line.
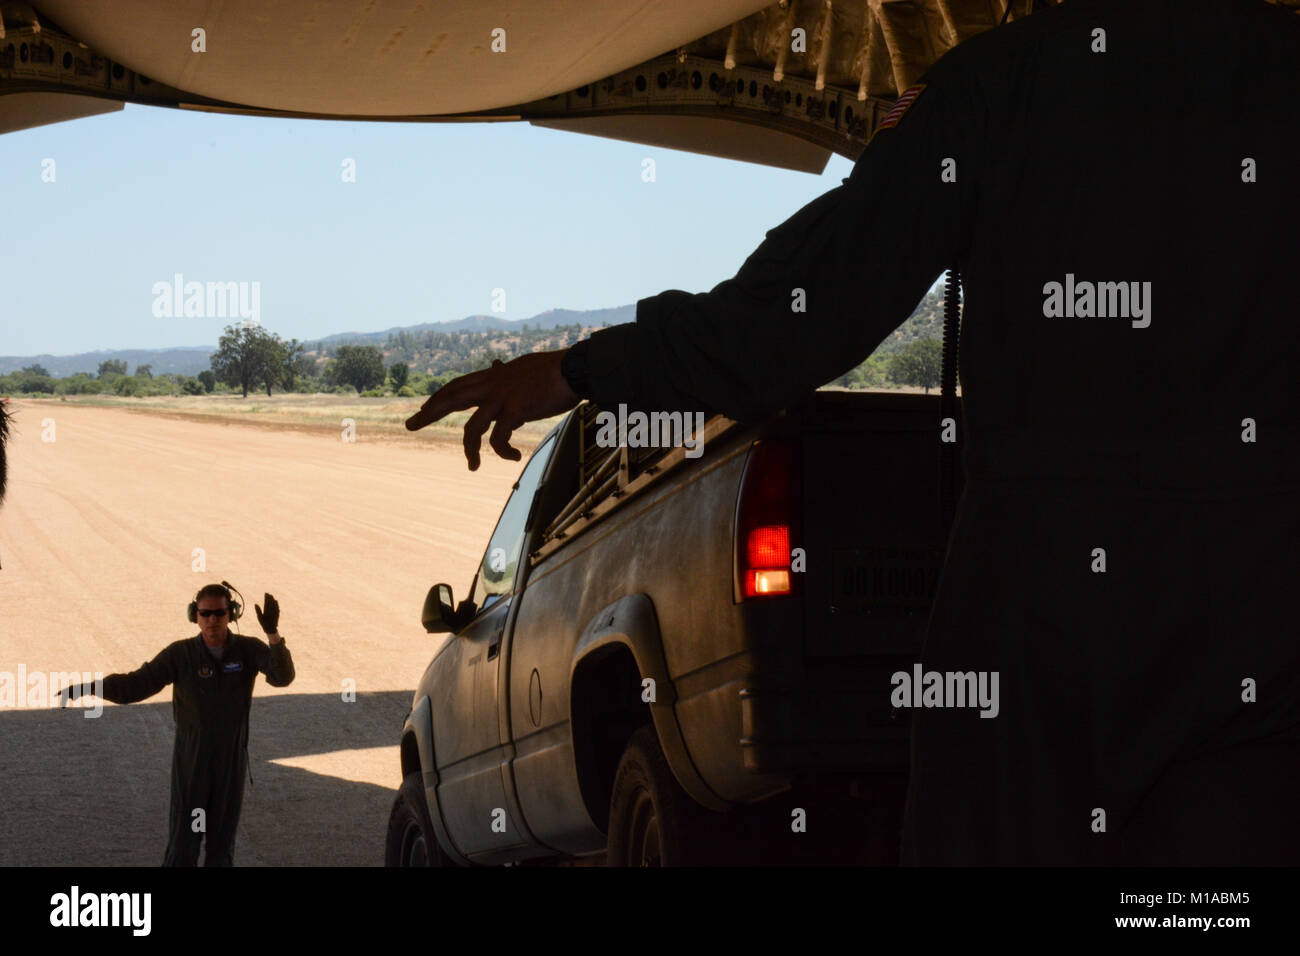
column 275, row 662
column 145, row 681
column 826, row 286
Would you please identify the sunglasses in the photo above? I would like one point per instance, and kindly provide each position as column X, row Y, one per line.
column 219, row 612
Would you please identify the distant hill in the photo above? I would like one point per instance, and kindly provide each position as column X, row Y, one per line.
column 925, row 323
column 183, row 360
column 489, row 323
column 402, row 343
column 190, row 360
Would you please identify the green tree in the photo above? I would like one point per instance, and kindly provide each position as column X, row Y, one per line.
column 399, row 373
column 361, row 366
column 294, row 364
column 40, row 370
column 285, row 362
column 917, row 363
column 79, row 384
column 207, row 380
column 438, row 381
column 869, row 374
column 31, row 382
column 144, row 371
column 246, row 357
column 272, row 368
column 484, row 360
column 111, row 367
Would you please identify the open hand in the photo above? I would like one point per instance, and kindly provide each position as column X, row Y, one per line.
column 270, row 618
column 74, row 691
column 523, row 390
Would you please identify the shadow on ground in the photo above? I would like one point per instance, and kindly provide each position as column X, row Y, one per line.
column 79, row 792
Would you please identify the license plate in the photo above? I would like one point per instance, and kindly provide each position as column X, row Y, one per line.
column 885, row 577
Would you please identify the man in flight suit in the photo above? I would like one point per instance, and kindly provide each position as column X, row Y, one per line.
column 4, row 436
column 1116, row 182
column 212, row 676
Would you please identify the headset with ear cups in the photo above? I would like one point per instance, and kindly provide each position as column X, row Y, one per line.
column 236, row 608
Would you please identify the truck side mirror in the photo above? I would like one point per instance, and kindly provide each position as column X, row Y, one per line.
column 438, row 615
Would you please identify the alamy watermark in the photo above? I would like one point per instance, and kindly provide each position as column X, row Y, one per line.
column 946, row 689
column 208, row 300
column 1101, row 300
column 653, row 430
column 75, row 908
column 31, row 689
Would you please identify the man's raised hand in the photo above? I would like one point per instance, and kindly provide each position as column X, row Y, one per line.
column 523, row 390
column 269, row 618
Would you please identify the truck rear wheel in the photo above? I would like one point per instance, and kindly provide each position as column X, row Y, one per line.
column 411, row 840
column 652, row 820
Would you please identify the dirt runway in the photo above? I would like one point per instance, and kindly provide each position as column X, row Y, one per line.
column 98, row 539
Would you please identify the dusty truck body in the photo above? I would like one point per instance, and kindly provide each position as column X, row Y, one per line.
column 674, row 656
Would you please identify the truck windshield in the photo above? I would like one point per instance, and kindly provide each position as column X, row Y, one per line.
column 496, row 573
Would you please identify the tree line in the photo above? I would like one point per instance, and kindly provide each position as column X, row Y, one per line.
column 419, row 362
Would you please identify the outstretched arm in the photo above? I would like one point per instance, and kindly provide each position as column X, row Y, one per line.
column 139, row 684
column 825, row 287
column 810, row 303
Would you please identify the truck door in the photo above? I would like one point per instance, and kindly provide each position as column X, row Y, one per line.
column 466, row 723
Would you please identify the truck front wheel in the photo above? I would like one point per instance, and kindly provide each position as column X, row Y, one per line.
column 411, row 840
column 652, row 820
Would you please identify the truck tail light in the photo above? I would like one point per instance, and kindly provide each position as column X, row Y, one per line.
column 765, row 515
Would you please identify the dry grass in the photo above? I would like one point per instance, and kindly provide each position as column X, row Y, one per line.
column 381, row 417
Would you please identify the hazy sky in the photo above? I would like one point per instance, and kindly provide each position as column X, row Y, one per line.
column 439, row 217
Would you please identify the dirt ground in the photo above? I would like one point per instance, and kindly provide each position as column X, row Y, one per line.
column 97, row 543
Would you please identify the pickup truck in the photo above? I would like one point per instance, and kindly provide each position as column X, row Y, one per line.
column 674, row 658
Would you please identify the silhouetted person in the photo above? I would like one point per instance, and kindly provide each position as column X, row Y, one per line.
column 1117, row 183
column 4, row 437
column 212, row 676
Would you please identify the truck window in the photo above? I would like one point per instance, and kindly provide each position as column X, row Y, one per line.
column 496, row 573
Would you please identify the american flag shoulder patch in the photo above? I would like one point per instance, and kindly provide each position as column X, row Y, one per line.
column 901, row 106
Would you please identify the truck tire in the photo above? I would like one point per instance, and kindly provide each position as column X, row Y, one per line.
column 652, row 820
column 411, row 840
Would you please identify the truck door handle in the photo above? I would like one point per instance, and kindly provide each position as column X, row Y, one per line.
column 495, row 647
